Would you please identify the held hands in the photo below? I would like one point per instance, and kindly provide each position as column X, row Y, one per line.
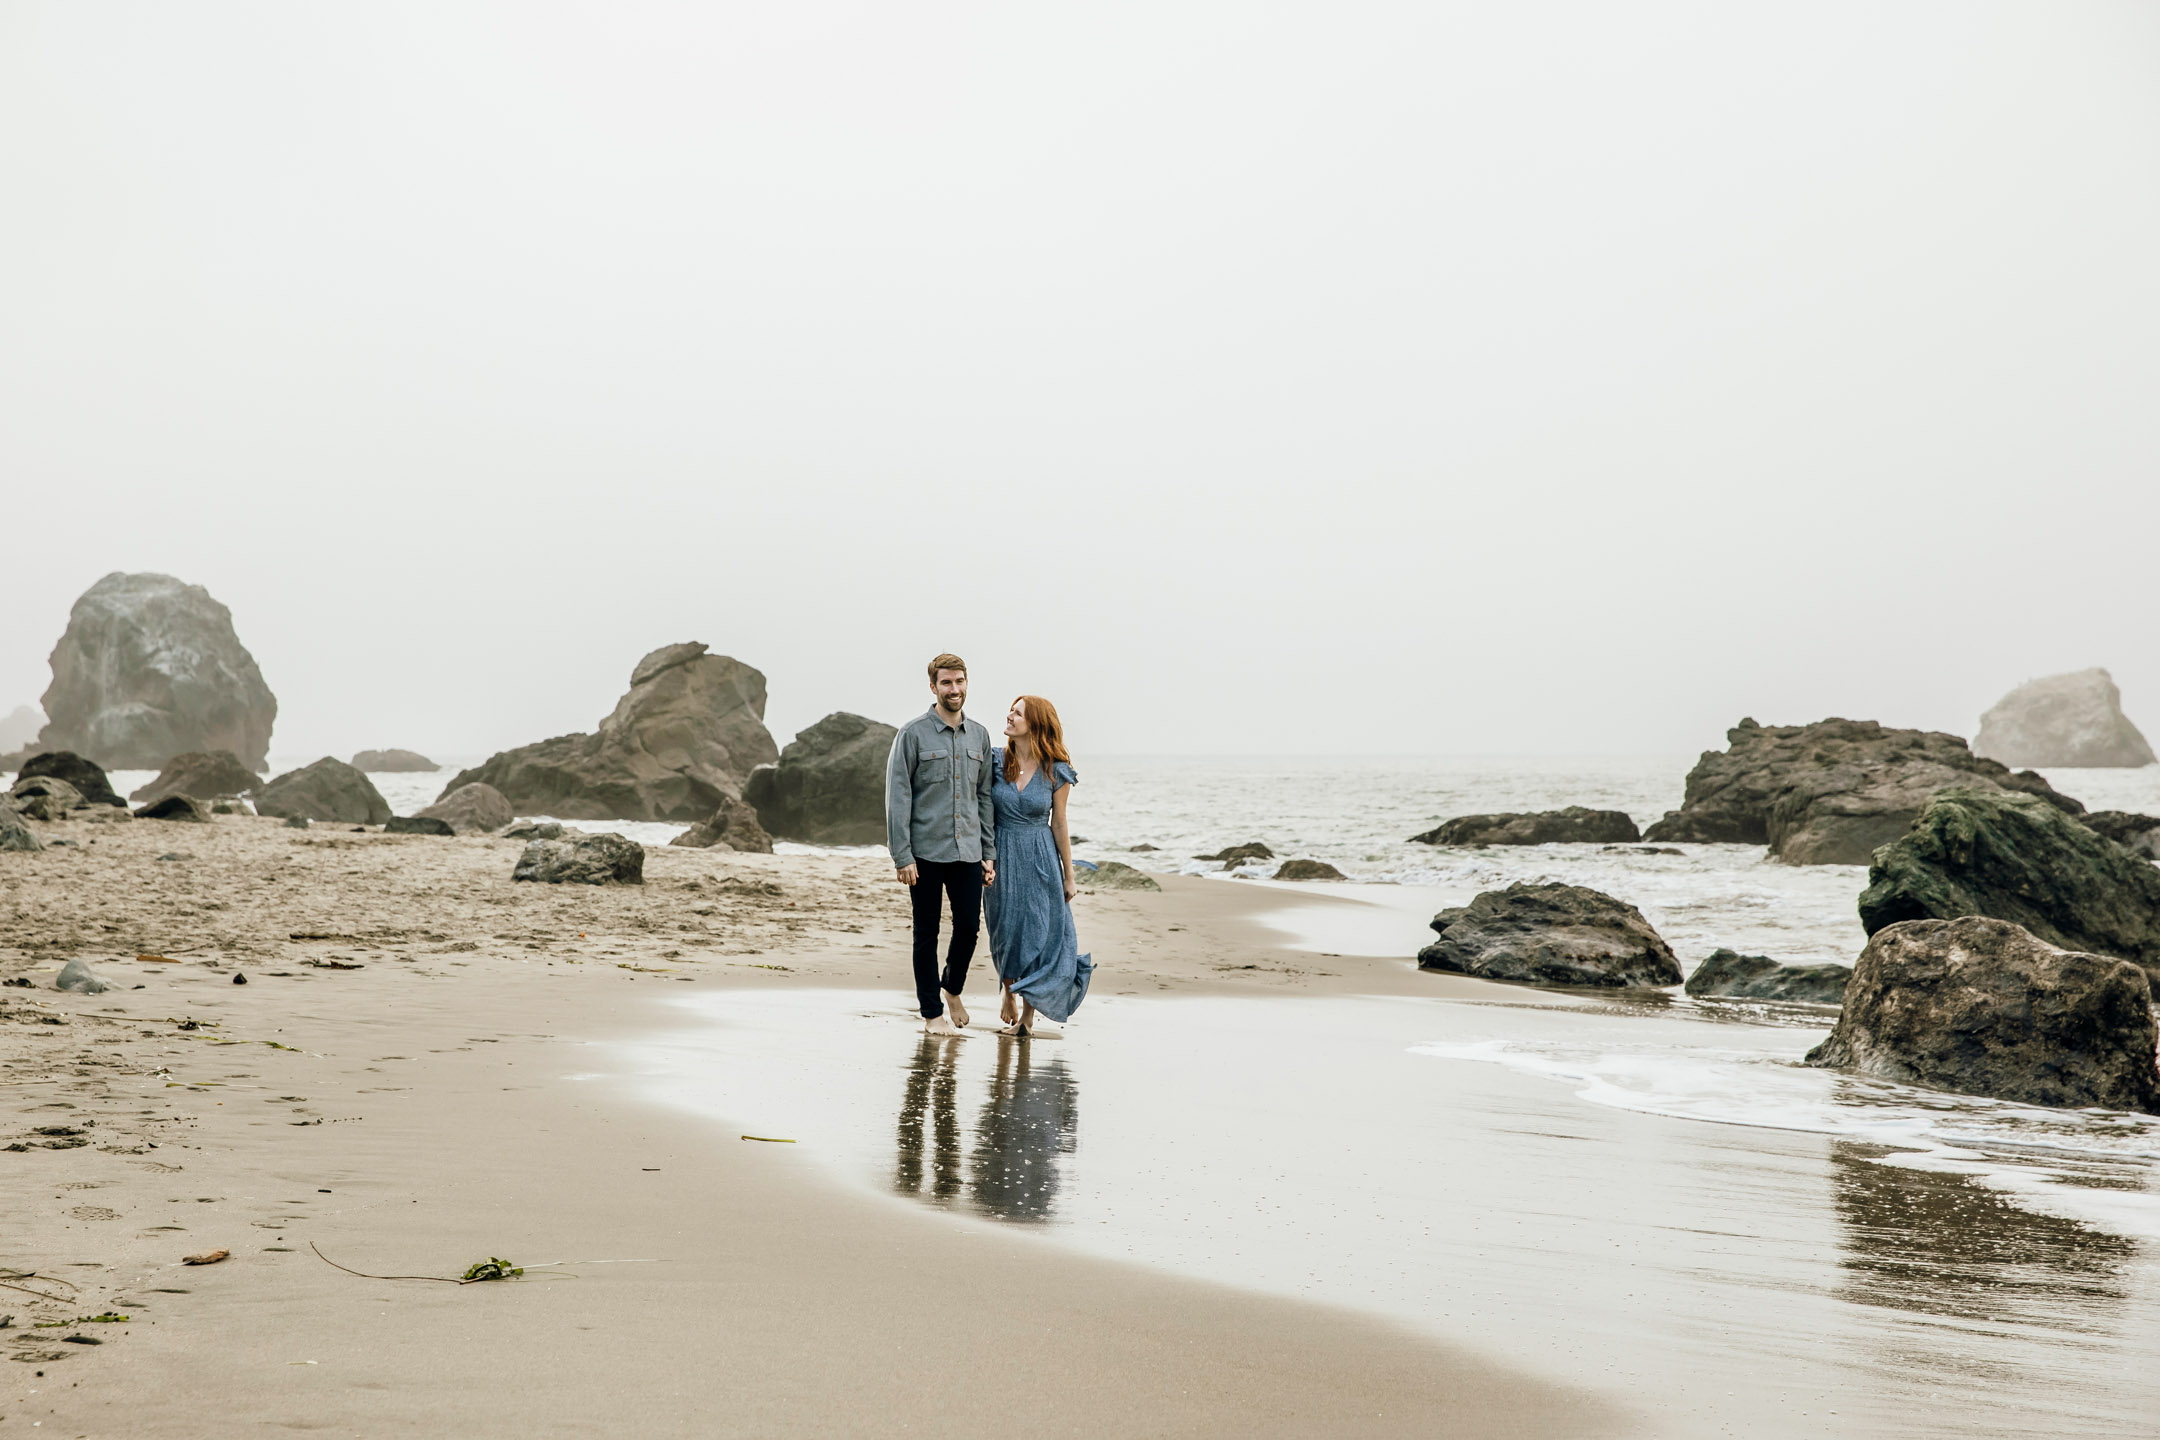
column 989, row 872
column 907, row 875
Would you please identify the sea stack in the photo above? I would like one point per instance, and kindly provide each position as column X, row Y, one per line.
column 2073, row 720
column 150, row 668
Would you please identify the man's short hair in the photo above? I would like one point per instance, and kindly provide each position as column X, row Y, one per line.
column 947, row 661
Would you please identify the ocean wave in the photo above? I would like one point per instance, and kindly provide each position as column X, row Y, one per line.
column 2093, row 1167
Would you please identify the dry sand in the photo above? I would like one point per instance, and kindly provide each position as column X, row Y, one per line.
column 412, row 1115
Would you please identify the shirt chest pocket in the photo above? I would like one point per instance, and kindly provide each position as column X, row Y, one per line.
column 934, row 765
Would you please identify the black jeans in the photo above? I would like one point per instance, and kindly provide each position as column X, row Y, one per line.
column 935, row 879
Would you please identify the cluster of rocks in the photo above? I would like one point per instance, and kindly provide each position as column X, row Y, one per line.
column 684, row 737
column 1830, row 793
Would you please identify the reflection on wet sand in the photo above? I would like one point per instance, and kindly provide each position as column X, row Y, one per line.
column 1026, row 1127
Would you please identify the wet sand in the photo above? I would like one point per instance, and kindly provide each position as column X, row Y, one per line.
column 419, row 1113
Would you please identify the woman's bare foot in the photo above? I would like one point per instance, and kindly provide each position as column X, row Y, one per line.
column 1027, row 1018
column 959, row 1011
column 1015, row 1028
column 1008, row 1009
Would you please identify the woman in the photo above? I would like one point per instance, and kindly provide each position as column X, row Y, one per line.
column 1032, row 941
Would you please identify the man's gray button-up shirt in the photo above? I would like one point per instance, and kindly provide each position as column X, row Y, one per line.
column 937, row 792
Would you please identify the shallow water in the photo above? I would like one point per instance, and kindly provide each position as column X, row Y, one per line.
column 1554, row 1180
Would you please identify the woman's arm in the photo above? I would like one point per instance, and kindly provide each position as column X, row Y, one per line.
column 1064, row 837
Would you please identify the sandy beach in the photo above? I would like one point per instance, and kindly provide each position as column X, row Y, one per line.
column 413, row 1115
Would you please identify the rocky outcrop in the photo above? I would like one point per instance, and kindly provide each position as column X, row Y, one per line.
column 1114, row 875
column 475, row 809
column 1983, row 1007
column 1573, row 826
column 1551, row 934
column 1307, row 870
column 1831, row 792
column 329, row 789
column 2066, row 720
column 176, row 807
column 205, row 774
column 150, row 667
column 829, row 785
column 733, row 826
column 1729, row 975
column 2139, row 834
column 417, row 825
column 580, row 859
column 393, row 762
column 1236, row 855
column 686, row 735
column 86, row 776
column 2015, row 858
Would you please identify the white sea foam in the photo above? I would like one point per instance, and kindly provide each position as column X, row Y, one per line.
column 2091, row 1166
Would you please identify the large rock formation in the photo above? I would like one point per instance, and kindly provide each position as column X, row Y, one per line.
column 1573, row 826
column 85, row 775
column 475, row 809
column 580, row 859
column 393, row 762
column 733, row 826
column 1729, row 975
column 2073, row 719
column 2139, row 834
column 686, row 735
column 2016, row 858
column 329, row 789
column 150, row 667
column 1983, row 1007
column 204, row 774
column 1551, row 935
column 1831, row 792
column 829, row 786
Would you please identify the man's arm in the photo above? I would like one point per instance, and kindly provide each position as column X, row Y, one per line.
column 986, row 808
column 900, row 805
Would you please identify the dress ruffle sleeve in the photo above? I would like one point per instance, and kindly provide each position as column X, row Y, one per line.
column 1065, row 773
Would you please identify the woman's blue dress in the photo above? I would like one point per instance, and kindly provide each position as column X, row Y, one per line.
column 1032, row 940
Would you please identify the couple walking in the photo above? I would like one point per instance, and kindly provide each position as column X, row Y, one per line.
column 984, row 826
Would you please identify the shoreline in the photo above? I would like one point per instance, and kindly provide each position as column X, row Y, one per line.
column 775, row 1301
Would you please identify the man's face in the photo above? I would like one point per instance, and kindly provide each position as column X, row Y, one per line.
column 951, row 688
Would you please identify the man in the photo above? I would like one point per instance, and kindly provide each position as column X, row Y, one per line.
column 940, row 830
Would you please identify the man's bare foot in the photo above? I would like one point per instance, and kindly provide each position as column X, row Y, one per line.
column 959, row 1011
column 938, row 1025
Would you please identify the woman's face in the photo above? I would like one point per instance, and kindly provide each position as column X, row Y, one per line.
column 1016, row 721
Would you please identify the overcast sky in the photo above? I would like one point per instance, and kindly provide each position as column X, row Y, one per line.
column 1342, row 377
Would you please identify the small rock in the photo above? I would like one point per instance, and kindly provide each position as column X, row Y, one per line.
column 538, row 830
column 1110, row 875
column 14, row 835
column 1573, row 826
column 733, row 825
column 394, row 762
column 176, row 855
column 475, row 809
column 1308, row 870
column 1729, row 975
column 583, row 860
column 1237, row 855
column 1142, row 849
column 1984, row 1007
column 296, row 822
column 176, row 807
column 207, row 1257
column 239, row 978
column 207, row 774
column 417, row 825
column 1551, row 934
column 77, row 975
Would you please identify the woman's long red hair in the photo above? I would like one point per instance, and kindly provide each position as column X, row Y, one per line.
column 1045, row 733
